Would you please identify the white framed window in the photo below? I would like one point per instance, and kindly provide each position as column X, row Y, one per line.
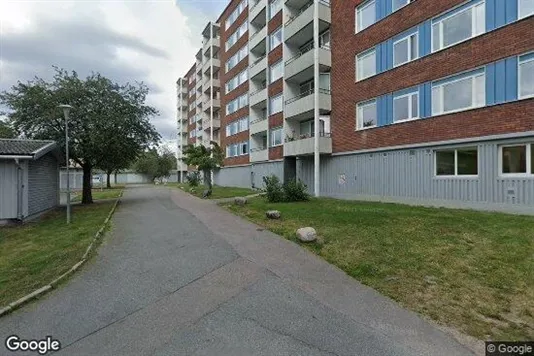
column 236, row 81
column 237, row 104
column 366, row 115
column 276, row 137
column 365, row 15
column 456, row 162
column 397, row 4
column 406, row 49
column 275, row 38
column 243, row 124
column 366, row 64
column 516, row 160
column 459, row 26
column 274, row 7
column 406, row 107
column 275, row 104
column 458, row 94
column 236, row 58
column 324, row 39
column 276, row 71
column 243, row 148
column 526, row 76
column 238, row 33
column 235, row 14
column 526, row 8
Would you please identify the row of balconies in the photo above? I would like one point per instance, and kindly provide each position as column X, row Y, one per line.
column 293, row 148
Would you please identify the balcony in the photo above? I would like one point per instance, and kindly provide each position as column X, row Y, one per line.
column 198, row 85
column 206, row 84
column 300, row 68
column 301, row 107
column 207, row 124
column 211, row 42
column 207, row 65
column 258, row 98
column 258, row 126
column 257, row 39
column 259, row 154
column 257, row 67
column 216, row 106
column 299, row 28
column 256, row 7
column 305, row 146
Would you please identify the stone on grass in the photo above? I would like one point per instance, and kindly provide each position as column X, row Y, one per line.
column 206, row 193
column 431, row 280
column 307, row 234
column 241, row 201
column 192, row 190
column 273, row 214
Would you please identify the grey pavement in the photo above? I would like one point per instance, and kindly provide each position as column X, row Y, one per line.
column 180, row 276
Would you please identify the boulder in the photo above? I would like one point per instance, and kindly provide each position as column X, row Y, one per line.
column 206, row 193
column 241, row 201
column 273, row 214
column 306, row 234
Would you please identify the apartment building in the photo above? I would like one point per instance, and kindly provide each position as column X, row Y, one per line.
column 418, row 101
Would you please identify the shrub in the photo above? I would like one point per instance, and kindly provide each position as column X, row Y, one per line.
column 193, row 178
column 296, row 190
column 273, row 189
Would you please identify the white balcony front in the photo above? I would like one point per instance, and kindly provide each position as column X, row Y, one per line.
column 305, row 147
column 256, row 7
column 299, row 28
column 212, row 42
column 303, row 106
column 258, row 126
column 258, row 67
column 216, row 106
column 258, row 39
column 259, row 155
column 258, row 98
column 300, row 67
column 208, row 63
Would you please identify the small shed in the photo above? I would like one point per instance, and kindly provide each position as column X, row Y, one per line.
column 29, row 178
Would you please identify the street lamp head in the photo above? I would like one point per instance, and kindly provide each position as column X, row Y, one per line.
column 66, row 108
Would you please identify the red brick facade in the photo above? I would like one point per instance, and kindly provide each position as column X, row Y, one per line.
column 510, row 40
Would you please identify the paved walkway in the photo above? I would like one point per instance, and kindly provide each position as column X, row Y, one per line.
column 180, row 276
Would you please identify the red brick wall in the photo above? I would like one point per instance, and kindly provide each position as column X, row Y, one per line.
column 242, row 89
column 276, row 152
column 507, row 41
column 278, row 86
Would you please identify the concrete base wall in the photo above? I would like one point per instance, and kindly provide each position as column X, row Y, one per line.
column 248, row 176
column 408, row 176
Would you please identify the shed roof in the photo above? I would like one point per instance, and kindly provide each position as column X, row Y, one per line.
column 29, row 149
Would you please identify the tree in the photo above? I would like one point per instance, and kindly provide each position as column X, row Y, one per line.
column 206, row 159
column 107, row 119
column 155, row 164
column 6, row 131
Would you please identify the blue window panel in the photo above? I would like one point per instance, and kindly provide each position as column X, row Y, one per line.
column 458, row 76
column 425, row 100
column 425, row 38
column 382, row 7
column 460, row 8
column 500, row 13
column 384, row 56
column 511, row 77
column 490, row 84
column 385, row 109
column 500, row 80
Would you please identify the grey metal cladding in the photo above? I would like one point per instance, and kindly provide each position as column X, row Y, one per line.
column 43, row 184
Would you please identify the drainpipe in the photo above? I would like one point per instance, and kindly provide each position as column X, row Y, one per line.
column 316, row 83
column 211, row 96
column 20, row 189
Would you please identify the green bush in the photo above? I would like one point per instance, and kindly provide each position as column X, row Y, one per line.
column 296, row 190
column 193, row 178
column 273, row 189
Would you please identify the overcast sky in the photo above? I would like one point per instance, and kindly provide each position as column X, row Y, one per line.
column 153, row 41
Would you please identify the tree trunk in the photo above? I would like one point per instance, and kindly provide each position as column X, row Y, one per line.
column 87, row 196
column 207, row 179
column 108, row 182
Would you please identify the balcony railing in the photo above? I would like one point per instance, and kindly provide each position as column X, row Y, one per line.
column 255, row 3
column 304, row 8
column 263, row 86
column 304, row 51
column 305, row 136
column 258, row 120
column 258, row 60
column 258, row 149
column 256, row 33
column 306, row 93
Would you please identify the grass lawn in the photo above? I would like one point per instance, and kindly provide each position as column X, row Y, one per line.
column 111, row 193
column 217, row 192
column 34, row 254
column 473, row 271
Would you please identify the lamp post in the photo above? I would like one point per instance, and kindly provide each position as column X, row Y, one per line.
column 66, row 110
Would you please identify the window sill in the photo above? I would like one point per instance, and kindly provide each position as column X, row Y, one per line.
column 516, row 176
column 367, row 128
column 467, row 176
